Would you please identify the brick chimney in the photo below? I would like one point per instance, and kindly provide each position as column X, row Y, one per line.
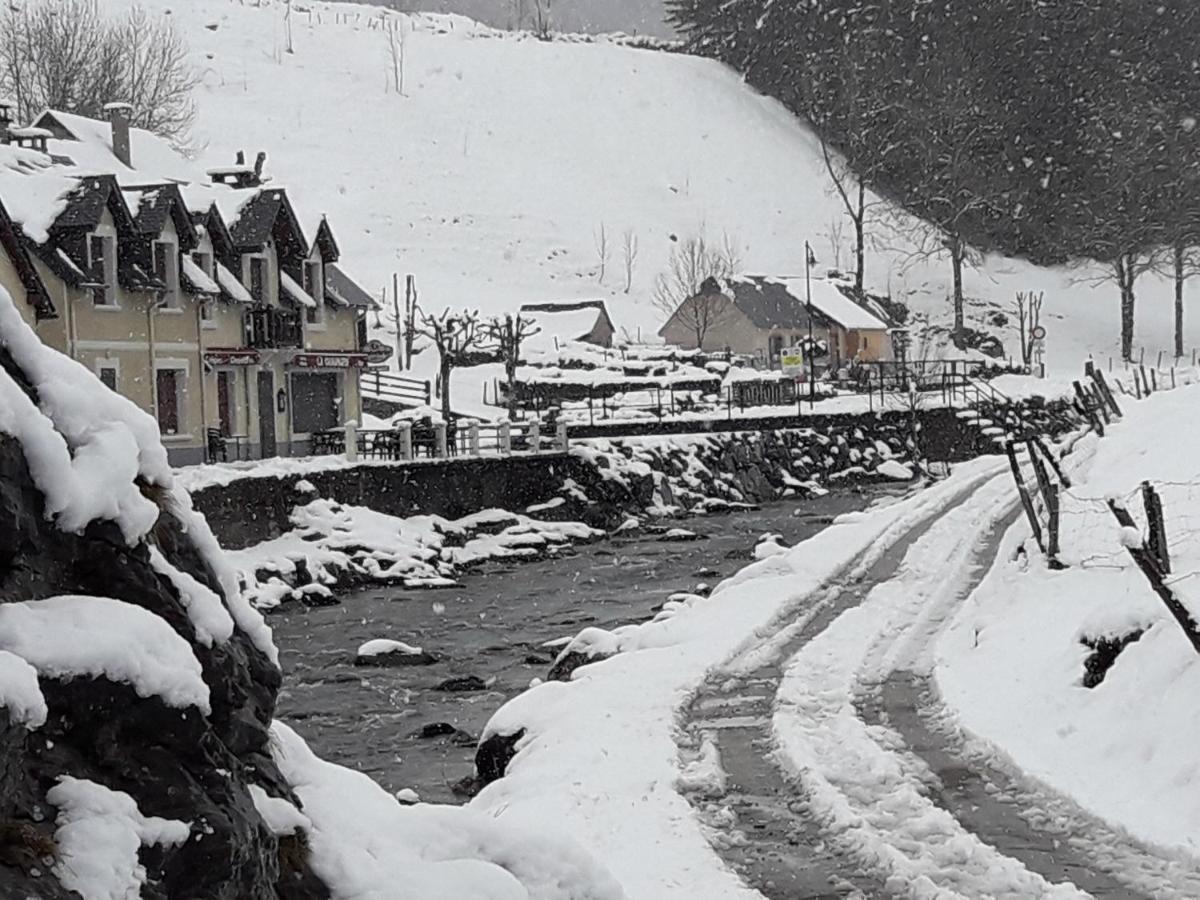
column 8, row 113
column 118, row 116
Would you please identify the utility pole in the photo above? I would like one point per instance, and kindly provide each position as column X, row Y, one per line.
column 400, row 364
column 809, row 259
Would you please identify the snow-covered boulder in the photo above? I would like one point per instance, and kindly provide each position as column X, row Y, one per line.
column 383, row 652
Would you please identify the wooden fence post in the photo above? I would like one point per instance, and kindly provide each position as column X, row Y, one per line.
column 473, row 438
column 561, row 437
column 535, row 436
column 1084, row 405
column 1011, row 449
column 504, row 436
column 406, row 448
column 1050, row 458
column 1102, row 384
column 439, row 440
column 1157, row 527
column 1149, row 565
column 1049, row 492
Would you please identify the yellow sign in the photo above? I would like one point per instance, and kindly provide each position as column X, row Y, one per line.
column 791, row 361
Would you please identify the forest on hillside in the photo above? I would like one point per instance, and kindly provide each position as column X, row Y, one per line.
column 1054, row 131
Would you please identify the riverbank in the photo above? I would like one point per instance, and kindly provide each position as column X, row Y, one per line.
column 493, row 626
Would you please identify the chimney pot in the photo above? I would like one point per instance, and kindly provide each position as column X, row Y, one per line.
column 118, row 116
column 8, row 111
column 241, row 158
column 259, row 162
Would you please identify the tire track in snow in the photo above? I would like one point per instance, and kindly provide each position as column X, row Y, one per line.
column 758, row 822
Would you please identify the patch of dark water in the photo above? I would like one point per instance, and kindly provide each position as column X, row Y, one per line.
column 494, row 626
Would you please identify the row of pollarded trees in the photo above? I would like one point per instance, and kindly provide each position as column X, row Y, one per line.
column 464, row 339
column 1059, row 132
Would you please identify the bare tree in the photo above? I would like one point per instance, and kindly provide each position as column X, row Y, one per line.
column 507, row 333
column 540, row 13
column 835, row 240
column 603, row 251
column 68, row 55
column 1029, row 317
column 677, row 291
column 287, row 25
column 459, row 340
column 396, row 36
column 629, row 255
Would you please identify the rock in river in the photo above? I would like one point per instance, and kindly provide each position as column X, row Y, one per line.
column 386, row 653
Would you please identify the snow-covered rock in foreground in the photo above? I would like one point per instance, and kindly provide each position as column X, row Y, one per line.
column 1124, row 749
column 366, row 844
column 97, row 637
column 130, row 728
column 99, row 835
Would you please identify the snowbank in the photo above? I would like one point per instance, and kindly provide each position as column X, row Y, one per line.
column 615, row 720
column 1122, row 749
column 334, row 543
column 85, row 445
column 99, row 835
column 97, row 637
column 365, row 844
column 20, row 695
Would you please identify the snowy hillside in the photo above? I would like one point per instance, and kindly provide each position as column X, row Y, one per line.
column 491, row 177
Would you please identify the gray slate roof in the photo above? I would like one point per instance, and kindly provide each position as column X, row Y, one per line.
column 345, row 289
column 765, row 303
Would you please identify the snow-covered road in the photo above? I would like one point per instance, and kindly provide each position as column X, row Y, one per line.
column 832, row 771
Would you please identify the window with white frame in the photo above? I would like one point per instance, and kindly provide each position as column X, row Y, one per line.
column 107, row 372
column 102, row 268
column 170, row 387
column 256, row 278
column 166, row 267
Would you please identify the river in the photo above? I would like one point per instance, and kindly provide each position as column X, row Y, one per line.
column 493, row 626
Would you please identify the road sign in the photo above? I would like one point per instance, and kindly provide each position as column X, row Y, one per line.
column 791, row 361
column 378, row 352
column 1038, row 333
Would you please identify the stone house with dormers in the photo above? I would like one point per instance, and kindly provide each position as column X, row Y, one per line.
column 205, row 303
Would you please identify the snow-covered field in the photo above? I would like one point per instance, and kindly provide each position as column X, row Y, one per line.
column 1124, row 749
column 490, row 178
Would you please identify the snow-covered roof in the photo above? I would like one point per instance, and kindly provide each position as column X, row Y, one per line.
column 232, row 286
column 829, row 300
column 87, row 143
column 781, row 301
column 198, row 277
column 295, row 291
column 35, row 202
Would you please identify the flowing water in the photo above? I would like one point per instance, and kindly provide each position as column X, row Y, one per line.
column 493, row 626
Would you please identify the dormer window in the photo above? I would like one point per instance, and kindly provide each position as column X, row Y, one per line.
column 102, row 269
column 166, row 268
column 257, row 280
column 314, row 286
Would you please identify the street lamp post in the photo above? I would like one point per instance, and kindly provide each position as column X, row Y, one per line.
column 809, row 259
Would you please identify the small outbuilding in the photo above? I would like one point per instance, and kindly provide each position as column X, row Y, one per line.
column 579, row 320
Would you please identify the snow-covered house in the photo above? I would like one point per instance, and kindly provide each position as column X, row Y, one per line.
column 759, row 316
column 204, row 304
column 580, row 320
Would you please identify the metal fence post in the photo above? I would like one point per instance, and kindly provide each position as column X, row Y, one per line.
column 406, row 450
column 439, row 440
column 505, row 438
column 473, row 438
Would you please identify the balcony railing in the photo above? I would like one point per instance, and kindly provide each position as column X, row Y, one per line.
column 268, row 329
